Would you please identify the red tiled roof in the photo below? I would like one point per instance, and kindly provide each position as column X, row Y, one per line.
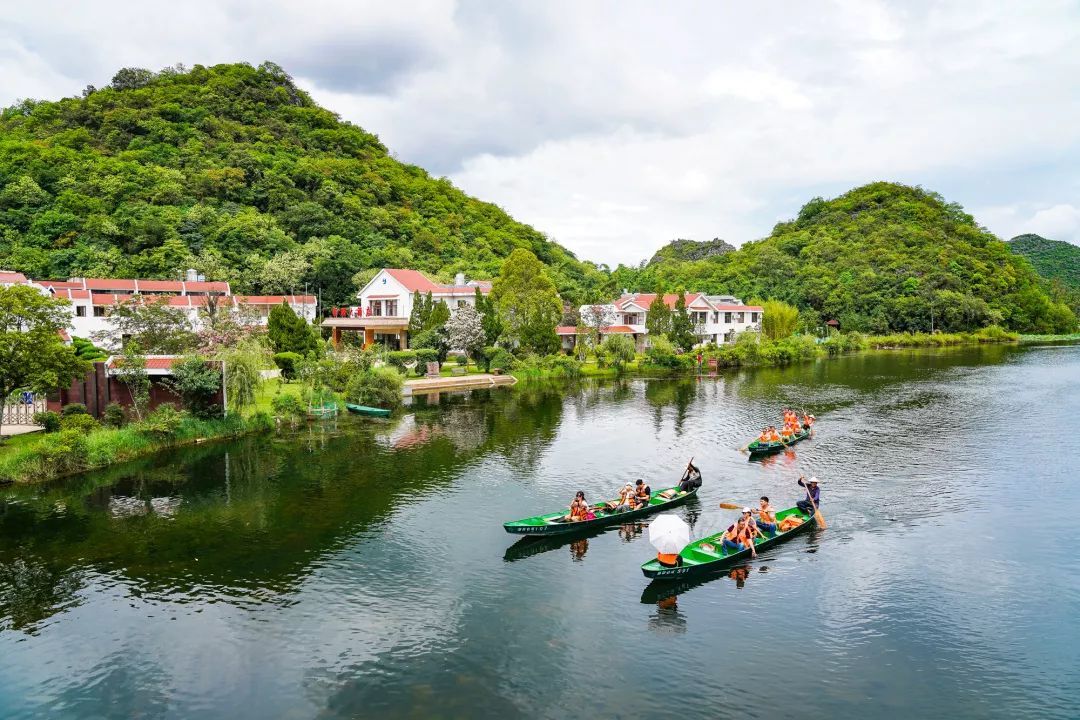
column 381, row 297
column 160, row 285
column 645, row 299
column 275, row 299
column 62, row 284
column 617, row 330
column 204, row 286
column 14, row 278
column 72, row 293
column 64, row 335
column 566, row 330
column 413, row 280
column 108, row 284
column 153, row 362
column 738, row 308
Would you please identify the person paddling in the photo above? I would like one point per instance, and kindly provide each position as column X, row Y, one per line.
column 642, row 493
column 766, row 519
column 813, row 492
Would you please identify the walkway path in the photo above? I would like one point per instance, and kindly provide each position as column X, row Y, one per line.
column 456, row 382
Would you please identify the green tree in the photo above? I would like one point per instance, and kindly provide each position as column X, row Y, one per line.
column 421, row 313
column 682, row 326
column 618, row 351
column 489, row 318
column 378, row 387
column 197, row 383
column 158, row 328
column 130, row 371
column 243, row 374
column 658, row 319
column 778, row 319
column 440, row 313
column 288, row 332
column 32, row 354
column 528, row 302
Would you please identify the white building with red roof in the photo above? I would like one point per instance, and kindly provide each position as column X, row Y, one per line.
column 386, row 302
column 717, row 318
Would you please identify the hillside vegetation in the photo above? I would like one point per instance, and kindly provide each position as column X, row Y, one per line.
column 1052, row 259
column 881, row 258
column 235, row 171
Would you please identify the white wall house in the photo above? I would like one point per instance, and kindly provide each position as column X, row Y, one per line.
column 385, row 304
column 92, row 300
column 717, row 318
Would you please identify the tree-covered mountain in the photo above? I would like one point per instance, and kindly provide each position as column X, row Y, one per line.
column 1052, row 259
column 691, row 250
column 234, row 171
column 882, row 257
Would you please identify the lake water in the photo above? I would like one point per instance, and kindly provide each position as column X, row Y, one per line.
column 359, row 568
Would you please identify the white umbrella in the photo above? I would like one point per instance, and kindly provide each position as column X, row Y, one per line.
column 669, row 534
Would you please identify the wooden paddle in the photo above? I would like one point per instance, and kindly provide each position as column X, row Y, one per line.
column 731, row 506
column 817, row 513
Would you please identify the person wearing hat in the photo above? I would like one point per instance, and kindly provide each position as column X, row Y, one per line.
column 626, row 498
column 813, row 492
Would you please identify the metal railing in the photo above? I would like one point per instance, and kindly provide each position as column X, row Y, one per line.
column 22, row 413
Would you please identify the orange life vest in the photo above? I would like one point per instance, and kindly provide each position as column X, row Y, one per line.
column 668, row 558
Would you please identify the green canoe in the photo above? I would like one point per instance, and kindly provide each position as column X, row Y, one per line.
column 759, row 449
column 708, row 555
column 555, row 523
column 365, row 410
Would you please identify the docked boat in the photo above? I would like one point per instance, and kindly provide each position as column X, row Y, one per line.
column 708, row 555
column 365, row 410
column 761, row 449
column 557, row 522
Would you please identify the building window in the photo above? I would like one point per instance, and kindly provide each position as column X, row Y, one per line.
column 462, row 303
column 727, row 317
column 715, row 318
column 80, row 311
column 753, row 317
column 390, row 307
column 740, row 317
column 99, row 311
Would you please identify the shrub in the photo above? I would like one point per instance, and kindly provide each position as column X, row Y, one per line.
column 287, row 362
column 501, row 360
column 617, row 351
column 113, row 416
column 82, row 423
column 462, row 360
column 288, row 407
column 661, row 353
column 64, row 452
column 198, row 385
column 162, row 422
column 73, row 409
column 48, row 420
column 377, row 387
column 433, row 339
column 400, row 358
column 426, row 355
column 563, row 365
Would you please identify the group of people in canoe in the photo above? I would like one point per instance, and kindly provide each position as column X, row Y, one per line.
column 792, row 426
column 631, row 497
column 742, row 534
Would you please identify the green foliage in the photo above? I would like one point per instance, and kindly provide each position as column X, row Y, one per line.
column 288, row 407
column 489, row 317
column 683, row 250
column 528, row 302
column 1052, row 259
column 73, row 409
column 113, row 416
column 130, row 371
column 287, row 363
column 661, row 352
column 197, row 383
column 440, row 313
column 419, row 318
column 424, row 356
column 243, row 374
column 617, row 352
column 86, row 350
column 48, row 420
column 162, row 422
column 32, row 355
column 80, row 422
column 658, row 320
column 434, row 340
column 377, row 387
column 290, row 333
column 878, row 259
column 682, row 326
column 779, row 319
column 499, row 359
column 231, row 169
column 159, row 328
column 399, row 358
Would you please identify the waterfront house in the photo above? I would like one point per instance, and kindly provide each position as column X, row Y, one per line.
column 384, row 305
column 717, row 318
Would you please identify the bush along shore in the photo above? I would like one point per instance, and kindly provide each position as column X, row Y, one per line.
column 86, row 445
column 609, row 360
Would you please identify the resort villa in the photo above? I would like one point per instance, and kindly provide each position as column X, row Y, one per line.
column 717, row 318
column 91, row 300
column 385, row 304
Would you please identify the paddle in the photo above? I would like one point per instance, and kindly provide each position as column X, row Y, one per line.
column 817, row 513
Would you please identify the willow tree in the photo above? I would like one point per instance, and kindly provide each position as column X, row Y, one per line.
column 778, row 319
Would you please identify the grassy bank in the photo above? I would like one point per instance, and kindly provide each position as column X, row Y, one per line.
column 70, row 451
column 1049, row 339
column 751, row 351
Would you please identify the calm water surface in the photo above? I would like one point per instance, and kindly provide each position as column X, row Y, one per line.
column 359, row 569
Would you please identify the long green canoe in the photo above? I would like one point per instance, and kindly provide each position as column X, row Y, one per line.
column 555, row 523
column 708, row 555
column 365, row 410
column 759, row 449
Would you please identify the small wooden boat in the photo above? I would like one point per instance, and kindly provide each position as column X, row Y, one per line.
column 555, row 523
column 708, row 555
column 759, row 449
column 365, row 410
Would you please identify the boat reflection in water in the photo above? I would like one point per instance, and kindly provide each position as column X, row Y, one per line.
column 578, row 542
column 667, row 617
column 578, row 548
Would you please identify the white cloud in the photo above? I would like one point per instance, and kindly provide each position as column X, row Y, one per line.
column 616, row 126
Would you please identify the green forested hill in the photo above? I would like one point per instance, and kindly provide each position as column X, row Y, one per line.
column 235, row 171
column 691, row 250
column 1052, row 259
column 877, row 258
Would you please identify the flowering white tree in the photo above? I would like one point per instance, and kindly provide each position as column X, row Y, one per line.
column 465, row 331
column 596, row 318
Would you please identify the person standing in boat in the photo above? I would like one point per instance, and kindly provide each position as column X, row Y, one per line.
column 691, row 478
column 813, row 492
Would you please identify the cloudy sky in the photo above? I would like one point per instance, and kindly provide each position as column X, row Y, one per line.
column 617, row 126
